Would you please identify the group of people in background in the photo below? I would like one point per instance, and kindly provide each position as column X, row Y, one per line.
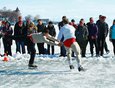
column 94, row 33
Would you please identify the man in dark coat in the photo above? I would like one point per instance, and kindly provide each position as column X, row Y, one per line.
column 62, row 49
column 40, row 27
column 93, row 31
column 81, row 34
column 19, row 32
column 102, row 34
column 52, row 32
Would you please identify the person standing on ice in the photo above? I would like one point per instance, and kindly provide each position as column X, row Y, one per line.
column 112, row 35
column 7, row 42
column 93, row 31
column 42, row 37
column 62, row 48
column 70, row 43
column 81, row 34
column 102, row 34
column 52, row 32
column 105, row 46
column 18, row 32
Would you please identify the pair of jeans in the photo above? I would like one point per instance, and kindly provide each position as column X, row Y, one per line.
column 20, row 47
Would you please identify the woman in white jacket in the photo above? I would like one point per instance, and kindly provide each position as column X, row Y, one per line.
column 70, row 43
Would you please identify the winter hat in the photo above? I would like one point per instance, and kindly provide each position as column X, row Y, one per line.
column 103, row 17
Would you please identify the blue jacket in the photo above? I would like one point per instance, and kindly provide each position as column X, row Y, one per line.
column 112, row 32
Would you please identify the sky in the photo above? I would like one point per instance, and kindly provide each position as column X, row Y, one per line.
column 55, row 9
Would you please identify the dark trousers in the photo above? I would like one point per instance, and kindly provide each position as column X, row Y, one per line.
column 93, row 43
column 113, row 42
column 7, row 47
column 32, row 51
column 101, row 43
column 52, row 49
column 62, row 51
column 40, row 48
column 83, row 45
column 106, row 47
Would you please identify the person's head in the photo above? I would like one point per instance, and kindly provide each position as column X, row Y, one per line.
column 31, row 25
column 66, row 21
column 103, row 18
column 64, row 17
column 82, row 22
column 20, row 23
column 40, row 22
column 28, row 20
column 91, row 20
column 50, row 23
column 20, row 18
column 100, row 17
column 72, row 20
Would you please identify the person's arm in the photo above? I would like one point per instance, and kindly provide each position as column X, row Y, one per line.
column 49, row 37
column 50, row 42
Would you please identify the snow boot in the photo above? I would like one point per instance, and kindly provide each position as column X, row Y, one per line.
column 32, row 65
column 71, row 67
column 80, row 68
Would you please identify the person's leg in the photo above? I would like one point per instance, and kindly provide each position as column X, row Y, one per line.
column 48, row 48
column 32, row 53
column 99, row 45
column 63, row 51
column 113, row 42
column 75, row 47
column 18, row 47
column 40, row 48
column 52, row 50
column 84, row 47
column 106, row 47
column 5, row 46
column 9, row 49
column 23, row 47
column 91, row 46
column 68, row 50
column 102, row 49
column 96, row 48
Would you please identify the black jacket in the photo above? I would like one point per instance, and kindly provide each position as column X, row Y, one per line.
column 19, row 32
column 102, row 29
column 40, row 28
column 52, row 31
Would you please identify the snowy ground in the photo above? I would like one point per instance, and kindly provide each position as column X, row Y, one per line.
column 53, row 71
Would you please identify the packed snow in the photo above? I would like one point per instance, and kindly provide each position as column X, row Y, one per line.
column 53, row 71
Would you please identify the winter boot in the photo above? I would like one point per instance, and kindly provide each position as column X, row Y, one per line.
column 80, row 68
column 71, row 67
column 32, row 65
